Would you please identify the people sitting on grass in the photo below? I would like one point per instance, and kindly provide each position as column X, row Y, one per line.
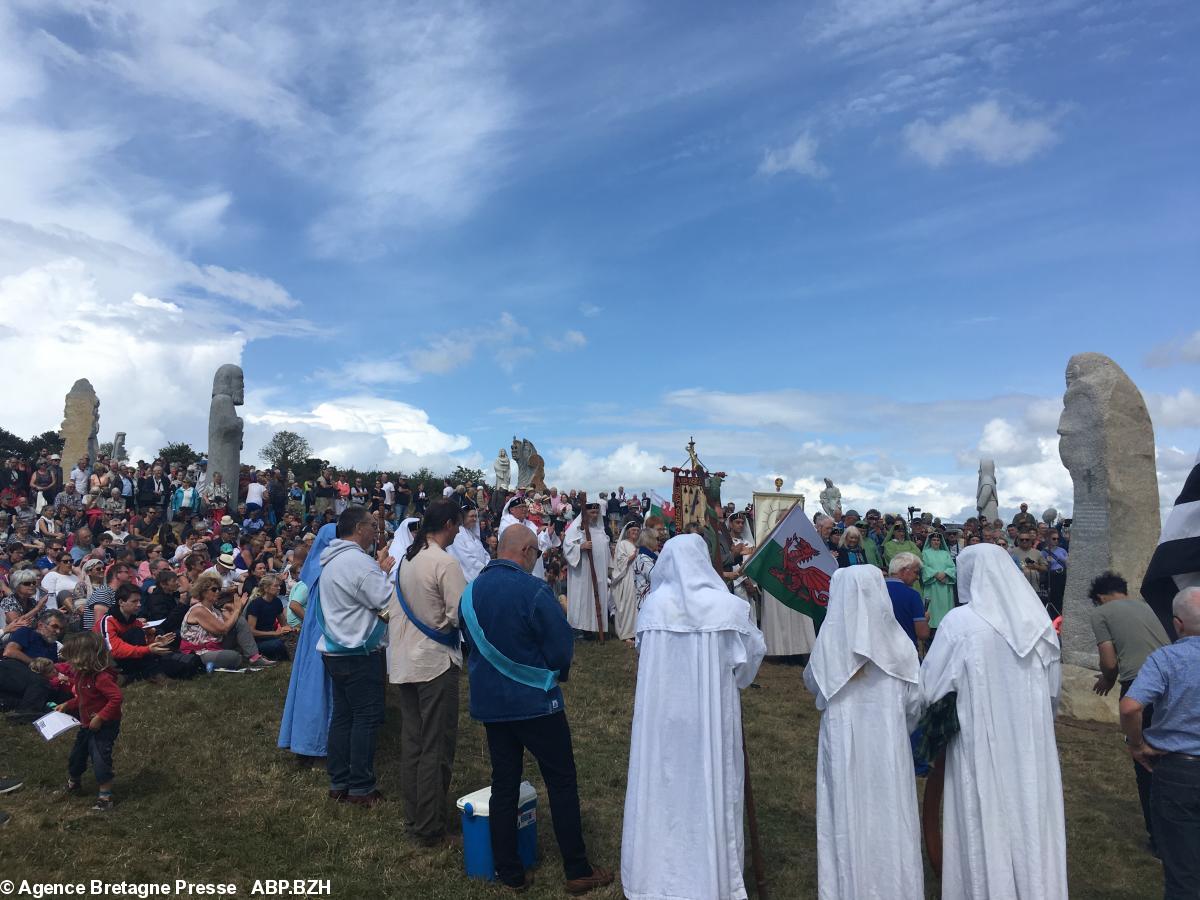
column 263, row 614
column 21, row 689
column 139, row 652
column 218, row 634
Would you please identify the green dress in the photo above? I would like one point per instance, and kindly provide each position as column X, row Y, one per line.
column 939, row 595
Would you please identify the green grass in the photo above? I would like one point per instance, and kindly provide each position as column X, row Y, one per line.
column 204, row 795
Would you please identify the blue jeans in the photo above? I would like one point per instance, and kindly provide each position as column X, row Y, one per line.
column 357, row 715
column 1175, row 807
column 271, row 648
column 96, row 747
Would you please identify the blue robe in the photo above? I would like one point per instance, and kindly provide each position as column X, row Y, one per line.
column 305, row 726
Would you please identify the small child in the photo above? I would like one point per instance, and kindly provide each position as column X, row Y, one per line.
column 57, row 674
column 97, row 701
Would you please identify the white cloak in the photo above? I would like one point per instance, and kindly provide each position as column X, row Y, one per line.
column 1004, row 833
column 682, row 837
column 470, row 552
column 864, row 673
column 507, row 519
column 786, row 631
column 581, row 605
column 624, row 590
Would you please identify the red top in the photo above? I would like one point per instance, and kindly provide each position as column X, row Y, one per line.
column 113, row 632
column 96, row 695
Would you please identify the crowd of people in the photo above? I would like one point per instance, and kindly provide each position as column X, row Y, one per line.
column 114, row 574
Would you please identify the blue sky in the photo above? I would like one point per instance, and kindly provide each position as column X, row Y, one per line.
column 857, row 239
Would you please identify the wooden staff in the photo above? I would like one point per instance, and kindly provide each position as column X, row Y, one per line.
column 931, row 814
column 756, row 857
column 585, row 525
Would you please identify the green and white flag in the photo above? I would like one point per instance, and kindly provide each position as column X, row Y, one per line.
column 794, row 566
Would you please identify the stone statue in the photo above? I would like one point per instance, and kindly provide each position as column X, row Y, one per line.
column 1050, row 516
column 118, row 452
column 986, row 501
column 81, row 424
column 831, row 500
column 503, row 467
column 1106, row 441
column 224, row 425
column 531, row 468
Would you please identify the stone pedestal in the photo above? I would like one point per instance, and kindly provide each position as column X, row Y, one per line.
column 1078, row 701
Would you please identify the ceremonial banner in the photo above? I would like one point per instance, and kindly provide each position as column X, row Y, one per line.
column 1176, row 561
column 689, row 501
column 660, row 507
column 793, row 564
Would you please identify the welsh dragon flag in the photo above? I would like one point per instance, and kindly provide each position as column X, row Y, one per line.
column 660, row 507
column 794, row 566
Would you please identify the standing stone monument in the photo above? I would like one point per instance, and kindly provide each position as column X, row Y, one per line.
column 1107, row 444
column 81, row 424
column 531, row 468
column 118, row 451
column 831, row 500
column 224, row 425
column 502, row 467
column 986, row 501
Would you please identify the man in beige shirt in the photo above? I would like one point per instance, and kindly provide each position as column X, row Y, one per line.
column 425, row 660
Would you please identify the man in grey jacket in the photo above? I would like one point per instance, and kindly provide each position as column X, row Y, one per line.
column 354, row 594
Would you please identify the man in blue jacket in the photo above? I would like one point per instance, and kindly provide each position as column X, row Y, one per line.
column 521, row 648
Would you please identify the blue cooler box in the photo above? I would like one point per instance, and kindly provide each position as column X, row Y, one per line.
column 477, row 835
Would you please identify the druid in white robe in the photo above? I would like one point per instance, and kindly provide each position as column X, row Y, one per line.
column 682, row 836
column 865, row 674
column 507, row 519
column 623, row 586
column 470, row 552
column 787, row 632
column 1003, row 826
column 581, row 604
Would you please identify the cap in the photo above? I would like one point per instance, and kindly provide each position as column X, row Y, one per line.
column 55, row 456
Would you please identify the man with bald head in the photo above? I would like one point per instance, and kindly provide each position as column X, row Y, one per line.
column 521, row 648
column 1169, row 680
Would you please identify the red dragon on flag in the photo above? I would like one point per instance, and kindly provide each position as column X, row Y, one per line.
column 798, row 577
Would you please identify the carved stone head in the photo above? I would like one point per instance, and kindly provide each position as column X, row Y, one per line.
column 229, row 380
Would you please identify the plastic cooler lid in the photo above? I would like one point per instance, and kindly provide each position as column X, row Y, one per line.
column 481, row 798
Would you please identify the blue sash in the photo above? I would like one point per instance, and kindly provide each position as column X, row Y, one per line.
column 530, row 676
column 332, row 647
column 449, row 639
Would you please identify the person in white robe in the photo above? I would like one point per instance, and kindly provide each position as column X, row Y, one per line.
column 741, row 538
column 516, row 512
column 468, row 546
column 1003, row 831
column 622, row 583
column 682, row 836
column 865, row 674
column 401, row 540
column 581, row 591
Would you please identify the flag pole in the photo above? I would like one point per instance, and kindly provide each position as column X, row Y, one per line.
column 756, row 857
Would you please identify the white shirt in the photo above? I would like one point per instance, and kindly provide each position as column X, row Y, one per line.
column 447, row 491
column 81, row 480
column 255, row 493
column 389, row 493
column 53, row 582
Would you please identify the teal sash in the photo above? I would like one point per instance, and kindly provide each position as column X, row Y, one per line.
column 332, row 647
column 530, row 676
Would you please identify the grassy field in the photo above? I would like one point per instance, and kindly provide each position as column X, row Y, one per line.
column 203, row 795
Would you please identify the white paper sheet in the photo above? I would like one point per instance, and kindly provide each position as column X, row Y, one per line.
column 52, row 724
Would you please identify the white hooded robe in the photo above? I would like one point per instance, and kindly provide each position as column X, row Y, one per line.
column 1004, row 834
column 624, row 588
column 865, row 674
column 682, row 836
column 581, row 605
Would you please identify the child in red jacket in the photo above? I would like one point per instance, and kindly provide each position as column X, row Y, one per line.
column 97, row 702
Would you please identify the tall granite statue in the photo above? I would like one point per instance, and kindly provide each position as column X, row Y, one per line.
column 831, row 500
column 1050, row 516
column 224, row 425
column 1107, row 444
column 503, row 468
column 986, row 501
column 81, row 424
column 118, row 451
column 531, row 468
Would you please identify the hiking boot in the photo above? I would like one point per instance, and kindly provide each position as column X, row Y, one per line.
column 599, row 878
column 70, row 789
column 8, row 785
column 368, row 800
column 103, row 805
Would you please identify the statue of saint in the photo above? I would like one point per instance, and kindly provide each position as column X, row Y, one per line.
column 831, row 500
column 986, row 501
column 503, row 468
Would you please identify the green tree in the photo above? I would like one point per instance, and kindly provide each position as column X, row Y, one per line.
column 50, row 441
column 463, row 475
column 285, row 450
column 178, row 452
column 11, row 445
column 310, row 468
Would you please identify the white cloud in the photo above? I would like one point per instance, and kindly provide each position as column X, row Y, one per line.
column 1178, row 410
column 199, row 220
column 575, row 338
column 590, row 310
column 986, row 131
column 1185, row 350
column 447, row 352
column 627, row 465
column 800, row 158
column 370, row 371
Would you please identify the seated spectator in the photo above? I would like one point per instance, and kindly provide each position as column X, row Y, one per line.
column 298, row 594
column 138, row 650
column 263, row 614
column 164, row 601
column 21, row 687
column 63, row 577
column 850, row 550
column 101, row 599
column 256, row 574
column 224, row 570
column 21, row 607
column 213, row 633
